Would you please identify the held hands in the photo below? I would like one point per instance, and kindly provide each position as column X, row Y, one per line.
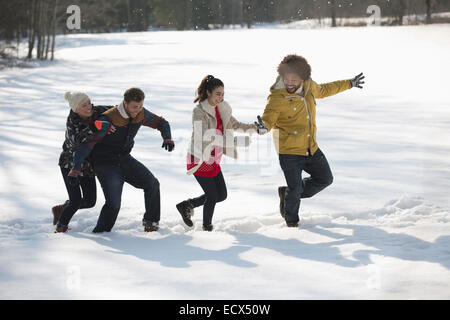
column 72, row 177
column 356, row 81
column 260, row 126
column 168, row 144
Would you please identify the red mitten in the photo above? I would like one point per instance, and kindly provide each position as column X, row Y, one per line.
column 103, row 125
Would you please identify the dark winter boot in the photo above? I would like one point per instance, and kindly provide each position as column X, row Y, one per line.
column 56, row 210
column 61, row 229
column 292, row 224
column 281, row 193
column 186, row 209
column 208, row 227
column 150, row 226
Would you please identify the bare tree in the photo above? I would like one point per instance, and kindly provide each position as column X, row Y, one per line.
column 333, row 13
column 54, row 30
column 237, row 12
column 401, row 10
column 188, row 15
column 42, row 29
column 48, row 25
column 428, row 3
column 32, row 28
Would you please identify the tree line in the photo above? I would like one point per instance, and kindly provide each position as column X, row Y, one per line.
column 39, row 21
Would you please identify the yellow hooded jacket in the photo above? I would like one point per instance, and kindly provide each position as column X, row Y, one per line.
column 294, row 114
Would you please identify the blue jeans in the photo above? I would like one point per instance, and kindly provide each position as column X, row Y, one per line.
column 112, row 177
column 320, row 177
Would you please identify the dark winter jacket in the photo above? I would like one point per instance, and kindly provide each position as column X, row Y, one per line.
column 79, row 132
column 112, row 148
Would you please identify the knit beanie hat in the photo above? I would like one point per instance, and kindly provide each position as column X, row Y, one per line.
column 75, row 99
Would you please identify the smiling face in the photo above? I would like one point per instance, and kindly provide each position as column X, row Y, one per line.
column 132, row 108
column 216, row 96
column 292, row 82
column 84, row 110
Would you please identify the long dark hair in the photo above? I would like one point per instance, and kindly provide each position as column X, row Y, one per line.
column 209, row 83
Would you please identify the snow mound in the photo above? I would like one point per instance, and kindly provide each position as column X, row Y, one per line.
column 405, row 211
column 411, row 210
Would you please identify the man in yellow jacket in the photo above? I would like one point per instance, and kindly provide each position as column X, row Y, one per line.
column 291, row 112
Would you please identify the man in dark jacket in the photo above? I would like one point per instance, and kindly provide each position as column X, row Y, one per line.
column 114, row 165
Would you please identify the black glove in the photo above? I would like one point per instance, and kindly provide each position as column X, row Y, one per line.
column 260, row 126
column 356, row 81
column 72, row 177
column 168, row 144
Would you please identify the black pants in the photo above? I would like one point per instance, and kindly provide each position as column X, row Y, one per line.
column 112, row 178
column 215, row 191
column 77, row 200
column 320, row 177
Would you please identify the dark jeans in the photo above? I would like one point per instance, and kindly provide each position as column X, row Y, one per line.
column 320, row 177
column 76, row 199
column 215, row 191
column 112, row 178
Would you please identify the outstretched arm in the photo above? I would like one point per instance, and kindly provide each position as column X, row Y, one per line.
column 324, row 90
column 328, row 89
column 162, row 125
column 237, row 125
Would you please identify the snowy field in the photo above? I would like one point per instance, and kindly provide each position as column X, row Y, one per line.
column 381, row 231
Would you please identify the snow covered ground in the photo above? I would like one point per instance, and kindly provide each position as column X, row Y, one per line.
column 381, row 231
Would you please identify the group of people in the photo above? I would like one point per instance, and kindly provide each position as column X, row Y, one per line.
column 99, row 140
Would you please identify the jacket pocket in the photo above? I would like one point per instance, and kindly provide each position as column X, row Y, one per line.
column 294, row 139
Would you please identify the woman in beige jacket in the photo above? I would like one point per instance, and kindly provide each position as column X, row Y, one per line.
column 213, row 129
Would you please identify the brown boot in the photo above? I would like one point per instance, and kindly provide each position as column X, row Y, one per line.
column 62, row 229
column 56, row 210
column 292, row 224
column 151, row 226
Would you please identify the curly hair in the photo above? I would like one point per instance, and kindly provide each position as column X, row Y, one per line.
column 295, row 64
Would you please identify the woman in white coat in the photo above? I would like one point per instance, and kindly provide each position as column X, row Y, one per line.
column 212, row 136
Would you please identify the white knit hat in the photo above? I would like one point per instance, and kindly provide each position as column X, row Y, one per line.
column 75, row 99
